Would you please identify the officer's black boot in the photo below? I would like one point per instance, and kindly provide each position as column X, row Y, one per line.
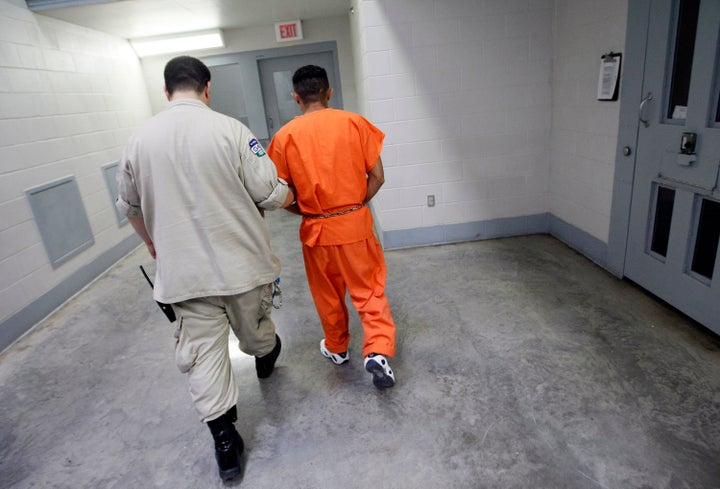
column 264, row 366
column 228, row 444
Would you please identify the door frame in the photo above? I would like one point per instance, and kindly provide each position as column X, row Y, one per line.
column 631, row 85
column 248, row 60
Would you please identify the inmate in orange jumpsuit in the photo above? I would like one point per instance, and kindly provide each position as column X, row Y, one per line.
column 326, row 155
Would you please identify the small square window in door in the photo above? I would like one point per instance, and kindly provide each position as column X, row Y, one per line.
column 688, row 11
column 707, row 235
column 662, row 219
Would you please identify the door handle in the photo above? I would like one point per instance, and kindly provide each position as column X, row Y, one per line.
column 646, row 122
column 270, row 122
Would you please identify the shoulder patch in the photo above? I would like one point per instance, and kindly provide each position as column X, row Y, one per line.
column 256, row 147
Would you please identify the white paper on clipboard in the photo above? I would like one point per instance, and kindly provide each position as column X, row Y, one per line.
column 609, row 76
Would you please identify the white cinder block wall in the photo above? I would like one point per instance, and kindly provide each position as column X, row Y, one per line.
column 584, row 134
column 490, row 105
column 462, row 90
column 69, row 98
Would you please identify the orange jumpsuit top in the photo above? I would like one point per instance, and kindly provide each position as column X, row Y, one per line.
column 326, row 155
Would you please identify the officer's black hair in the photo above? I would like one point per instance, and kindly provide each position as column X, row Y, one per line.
column 186, row 73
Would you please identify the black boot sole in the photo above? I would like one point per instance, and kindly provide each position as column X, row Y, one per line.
column 234, row 471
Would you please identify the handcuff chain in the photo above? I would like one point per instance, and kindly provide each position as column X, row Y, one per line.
column 334, row 214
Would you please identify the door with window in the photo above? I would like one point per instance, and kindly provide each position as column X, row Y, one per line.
column 672, row 247
column 276, row 82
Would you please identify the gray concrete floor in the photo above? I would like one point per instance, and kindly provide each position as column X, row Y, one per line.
column 520, row 365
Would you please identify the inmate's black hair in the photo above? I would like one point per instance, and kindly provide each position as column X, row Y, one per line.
column 186, row 73
column 310, row 83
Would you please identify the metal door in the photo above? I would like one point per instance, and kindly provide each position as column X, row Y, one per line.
column 276, row 82
column 226, row 92
column 672, row 247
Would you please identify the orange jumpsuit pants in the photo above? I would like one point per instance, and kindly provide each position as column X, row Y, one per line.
column 358, row 268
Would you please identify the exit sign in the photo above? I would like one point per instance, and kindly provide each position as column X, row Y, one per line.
column 288, row 31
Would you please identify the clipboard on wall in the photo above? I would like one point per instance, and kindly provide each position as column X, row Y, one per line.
column 609, row 78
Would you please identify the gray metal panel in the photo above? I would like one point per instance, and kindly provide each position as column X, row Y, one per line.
column 109, row 173
column 226, row 91
column 61, row 219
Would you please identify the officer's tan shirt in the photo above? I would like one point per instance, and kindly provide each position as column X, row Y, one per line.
column 198, row 178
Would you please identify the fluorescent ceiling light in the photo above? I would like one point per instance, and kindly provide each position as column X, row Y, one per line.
column 36, row 5
column 189, row 41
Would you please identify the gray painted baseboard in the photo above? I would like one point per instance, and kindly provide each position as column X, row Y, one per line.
column 471, row 231
column 584, row 243
column 20, row 323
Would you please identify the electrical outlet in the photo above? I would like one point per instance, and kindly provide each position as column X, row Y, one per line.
column 431, row 200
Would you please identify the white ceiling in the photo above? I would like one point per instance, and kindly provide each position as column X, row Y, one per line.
column 143, row 18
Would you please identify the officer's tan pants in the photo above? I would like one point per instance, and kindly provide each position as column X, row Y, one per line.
column 201, row 348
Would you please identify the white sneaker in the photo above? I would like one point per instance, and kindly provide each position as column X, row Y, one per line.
column 337, row 358
column 378, row 366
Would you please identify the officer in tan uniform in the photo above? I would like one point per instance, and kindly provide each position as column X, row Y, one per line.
column 194, row 184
